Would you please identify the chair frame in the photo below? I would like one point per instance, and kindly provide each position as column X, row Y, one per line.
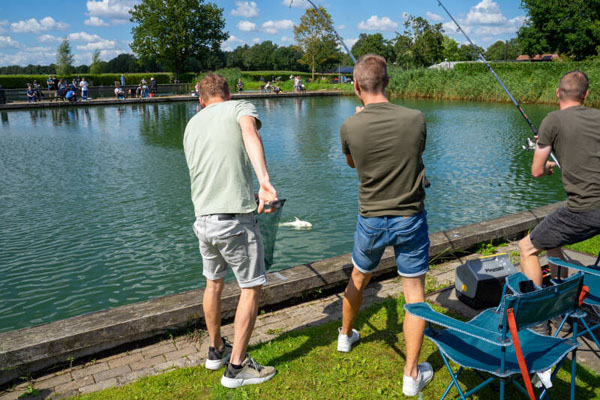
column 500, row 338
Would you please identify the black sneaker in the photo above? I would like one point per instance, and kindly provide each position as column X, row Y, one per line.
column 250, row 373
column 216, row 358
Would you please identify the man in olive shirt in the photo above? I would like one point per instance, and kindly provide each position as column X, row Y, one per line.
column 573, row 134
column 385, row 143
column 222, row 145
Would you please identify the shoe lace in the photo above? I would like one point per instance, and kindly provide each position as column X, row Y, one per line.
column 254, row 365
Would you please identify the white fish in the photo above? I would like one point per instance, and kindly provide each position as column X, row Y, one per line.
column 297, row 224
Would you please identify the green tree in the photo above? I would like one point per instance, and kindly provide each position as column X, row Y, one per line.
column 451, row 51
column 427, row 40
column 175, row 30
column 124, row 63
column 468, row 53
column 64, row 58
column 403, row 49
column 286, row 59
column 499, row 50
column 571, row 28
column 259, row 56
column 317, row 40
column 95, row 65
column 373, row 44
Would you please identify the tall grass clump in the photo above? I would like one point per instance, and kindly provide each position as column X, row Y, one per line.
column 528, row 82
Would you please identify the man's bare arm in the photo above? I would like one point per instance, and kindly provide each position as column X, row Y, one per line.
column 350, row 161
column 540, row 165
column 256, row 154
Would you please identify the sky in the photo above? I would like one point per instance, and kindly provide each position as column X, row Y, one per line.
column 32, row 30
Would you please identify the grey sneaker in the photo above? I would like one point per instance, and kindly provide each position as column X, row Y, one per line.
column 251, row 373
column 412, row 387
column 216, row 358
column 543, row 328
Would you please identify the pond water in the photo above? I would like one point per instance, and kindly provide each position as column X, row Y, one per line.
column 96, row 211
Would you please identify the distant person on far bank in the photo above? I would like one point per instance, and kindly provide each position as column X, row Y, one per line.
column 122, row 80
column 30, row 94
column 573, row 134
column 83, row 84
column 222, row 145
column 240, row 86
column 385, row 143
column 153, row 87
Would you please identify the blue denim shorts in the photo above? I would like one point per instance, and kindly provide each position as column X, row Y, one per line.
column 408, row 235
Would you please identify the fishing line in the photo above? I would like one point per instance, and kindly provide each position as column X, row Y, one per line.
column 531, row 145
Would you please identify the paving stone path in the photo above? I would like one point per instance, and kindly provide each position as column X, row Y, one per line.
column 186, row 351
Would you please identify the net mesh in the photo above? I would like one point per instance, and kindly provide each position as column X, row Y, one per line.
column 268, row 224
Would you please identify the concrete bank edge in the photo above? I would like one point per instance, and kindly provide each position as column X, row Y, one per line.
column 31, row 349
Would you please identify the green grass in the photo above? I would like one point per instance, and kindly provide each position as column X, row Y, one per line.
column 310, row 368
column 590, row 246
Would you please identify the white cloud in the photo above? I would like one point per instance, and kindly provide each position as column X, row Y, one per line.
column 274, row 27
column 33, row 26
column 7, row 41
column 3, row 23
column 350, row 42
column 433, row 17
column 486, row 21
column 95, row 21
column 100, row 45
column 24, row 58
column 84, row 36
column 296, row 3
column 246, row 26
column 378, row 24
column 256, row 40
column 246, row 9
column 286, row 39
column 37, row 49
column 340, row 27
column 49, row 38
column 116, row 9
column 232, row 42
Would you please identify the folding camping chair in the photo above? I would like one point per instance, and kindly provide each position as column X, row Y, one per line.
column 484, row 343
column 591, row 279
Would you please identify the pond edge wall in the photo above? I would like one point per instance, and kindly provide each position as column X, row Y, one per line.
column 28, row 350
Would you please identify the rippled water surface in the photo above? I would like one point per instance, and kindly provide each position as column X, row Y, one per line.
column 96, row 211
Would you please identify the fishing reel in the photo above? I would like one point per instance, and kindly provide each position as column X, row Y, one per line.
column 531, row 145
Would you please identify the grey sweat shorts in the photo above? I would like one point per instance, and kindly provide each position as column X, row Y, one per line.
column 234, row 240
column 564, row 227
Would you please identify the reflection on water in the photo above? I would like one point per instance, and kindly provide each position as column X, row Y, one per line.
column 96, row 209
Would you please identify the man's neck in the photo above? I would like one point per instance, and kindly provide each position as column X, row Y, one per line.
column 372, row 98
column 568, row 103
column 214, row 100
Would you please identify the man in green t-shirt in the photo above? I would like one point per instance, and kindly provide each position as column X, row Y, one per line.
column 222, row 145
column 385, row 143
column 573, row 134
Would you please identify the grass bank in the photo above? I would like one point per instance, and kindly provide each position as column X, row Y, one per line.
column 528, row 82
column 310, row 368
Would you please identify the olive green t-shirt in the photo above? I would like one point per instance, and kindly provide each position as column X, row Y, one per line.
column 386, row 142
column 220, row 171
column 574, row 134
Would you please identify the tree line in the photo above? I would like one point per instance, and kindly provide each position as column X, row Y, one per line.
column 186, row 35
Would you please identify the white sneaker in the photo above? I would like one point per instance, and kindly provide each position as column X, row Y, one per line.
column 542, row 379
column 412, row 387
column 345, row 342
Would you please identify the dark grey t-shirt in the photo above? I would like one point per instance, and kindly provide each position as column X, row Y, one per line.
column 574, row 134
column 386, row 142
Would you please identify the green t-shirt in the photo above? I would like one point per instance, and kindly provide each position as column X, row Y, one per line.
column 574, row 134
column 386, row 142
column 220, row 171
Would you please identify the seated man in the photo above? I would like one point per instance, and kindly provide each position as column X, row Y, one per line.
column 268, row 87
column 119, row 93
column 572, row 133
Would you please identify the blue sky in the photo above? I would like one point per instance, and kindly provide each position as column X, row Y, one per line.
column 31, row 30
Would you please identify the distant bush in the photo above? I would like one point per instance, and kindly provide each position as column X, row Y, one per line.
column 20, row 81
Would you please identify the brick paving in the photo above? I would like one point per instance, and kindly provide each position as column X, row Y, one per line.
column 185, row 351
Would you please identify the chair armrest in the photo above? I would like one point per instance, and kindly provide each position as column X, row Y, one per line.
column 513, row 281
column 562, row 263
column 424, row 311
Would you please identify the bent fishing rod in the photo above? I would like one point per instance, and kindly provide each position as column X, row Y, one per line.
column 531, row 145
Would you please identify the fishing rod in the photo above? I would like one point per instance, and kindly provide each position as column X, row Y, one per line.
column 338, row 37
column 531, row 145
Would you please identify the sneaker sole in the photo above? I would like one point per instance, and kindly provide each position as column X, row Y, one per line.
column 233, row 383
column 214, row 364
column 344, row 349
column 418, row 391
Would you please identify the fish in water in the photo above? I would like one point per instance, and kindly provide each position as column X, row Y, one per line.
column 297, row 224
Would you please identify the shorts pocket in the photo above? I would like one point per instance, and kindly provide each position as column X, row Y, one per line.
column 234, row 246
column 365, row 239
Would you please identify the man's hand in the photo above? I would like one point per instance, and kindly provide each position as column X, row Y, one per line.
column 266, row 194
column 549, row 167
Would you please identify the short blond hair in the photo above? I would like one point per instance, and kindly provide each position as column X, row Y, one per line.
column 573, row 86
column 371, row 74
column 213, row 85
